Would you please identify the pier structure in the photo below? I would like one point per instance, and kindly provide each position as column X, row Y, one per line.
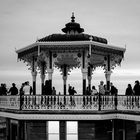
column 70, row 117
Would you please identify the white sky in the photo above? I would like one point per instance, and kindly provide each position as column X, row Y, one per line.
column 23, row 21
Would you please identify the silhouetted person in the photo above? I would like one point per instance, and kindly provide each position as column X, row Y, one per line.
column 113, row 90
column 69, row 89
column 73, row 91
column 3, row 89
column 13, row 90
column 129, row 90
column 47, row 90
column 88, row 92
column 53, row 91
column 136, row 88
column 21, row 92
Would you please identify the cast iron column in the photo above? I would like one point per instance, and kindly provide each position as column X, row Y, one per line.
column 34, row 74
column 89, row 77
column 65, row 78
column 108, row 73
column 50, row 70
column 84, row 73
column 42, row 76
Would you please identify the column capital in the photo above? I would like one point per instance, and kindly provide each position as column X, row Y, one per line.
column 108, row 72
column 84, row 73
column 107, row 75
column 34, row 73
column 50, row 70
column 84, row 70
column 64, row 77
column 42, row 78
column 89, row 78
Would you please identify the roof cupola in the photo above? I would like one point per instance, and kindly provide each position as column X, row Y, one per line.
column 72, row 27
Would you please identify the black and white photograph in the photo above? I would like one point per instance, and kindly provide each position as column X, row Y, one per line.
column 69, row 69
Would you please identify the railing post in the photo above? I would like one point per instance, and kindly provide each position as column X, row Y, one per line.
column 99, row 99
column 116, row 101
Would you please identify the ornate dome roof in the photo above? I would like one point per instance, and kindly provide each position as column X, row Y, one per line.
column 71, row 37
column 73, row 32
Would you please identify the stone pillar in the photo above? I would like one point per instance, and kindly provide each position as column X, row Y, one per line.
column 34, row 74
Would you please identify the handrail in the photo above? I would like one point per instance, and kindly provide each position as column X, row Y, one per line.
column 66, row 102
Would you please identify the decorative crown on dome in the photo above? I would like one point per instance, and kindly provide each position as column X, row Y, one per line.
column 72, row 27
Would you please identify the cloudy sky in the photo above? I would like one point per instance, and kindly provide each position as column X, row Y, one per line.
column 23, row 21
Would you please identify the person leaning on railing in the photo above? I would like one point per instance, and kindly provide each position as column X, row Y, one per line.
column 13, row 90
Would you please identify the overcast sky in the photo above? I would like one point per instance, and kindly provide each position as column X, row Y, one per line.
column 23, row 21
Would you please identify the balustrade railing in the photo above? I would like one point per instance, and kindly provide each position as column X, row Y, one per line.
column 77, row 102
column 10, row 102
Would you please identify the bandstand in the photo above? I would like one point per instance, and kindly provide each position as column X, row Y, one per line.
column 43, row 116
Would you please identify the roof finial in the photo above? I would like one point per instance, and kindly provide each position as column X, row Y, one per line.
column 72, row 18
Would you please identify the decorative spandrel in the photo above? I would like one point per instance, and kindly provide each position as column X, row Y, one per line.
column 115, row 60
column 96, row 60
column 42, row 61
column 70, row 60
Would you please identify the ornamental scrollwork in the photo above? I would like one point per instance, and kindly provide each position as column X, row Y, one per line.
column 71, row 60
column 42, row 61
column 115, row 60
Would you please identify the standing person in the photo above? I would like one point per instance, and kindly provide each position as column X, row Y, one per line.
column 136, row 88
column 3, row 89
column 13, row 90
column 94, row 91
column 88, row 92
column 114, row 90
column 70, row 89
column 47, row 90
column 27, row 89
column 21, row 92
column 106, row 91
column 129, row 90
column 73, row 91
column 101, row 88
column 53, row 91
